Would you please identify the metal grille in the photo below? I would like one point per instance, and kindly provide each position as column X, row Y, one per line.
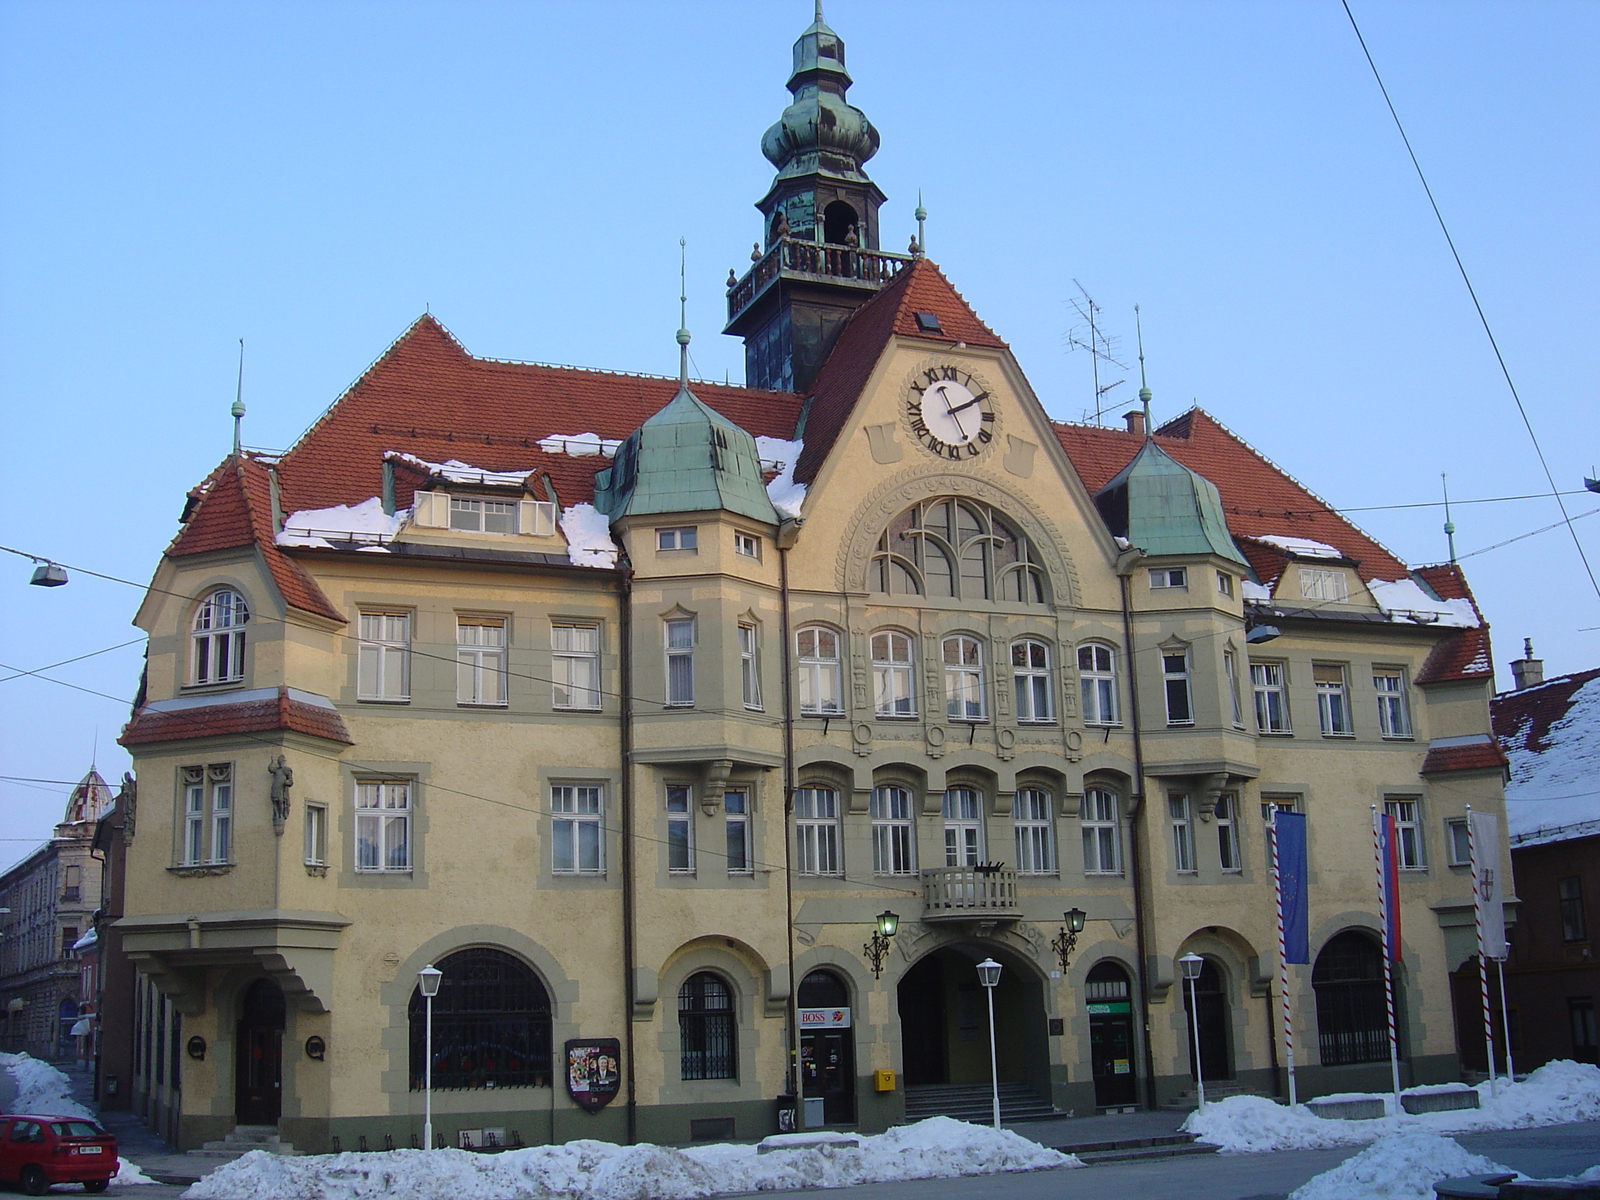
column 1352, row 1019
column 706, row 1028
column 491, row 1025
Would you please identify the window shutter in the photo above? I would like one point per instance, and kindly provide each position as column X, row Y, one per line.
column 367, row 670
column 432, row 509
column 537, row 518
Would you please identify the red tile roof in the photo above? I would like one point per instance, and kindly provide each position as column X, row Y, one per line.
column 1484, row 756
column 223, row 719
column 921, row 287
column 235, row 511
column 1464, row 654
column 1259, row 498
column 1522, row 719
column 1449, row 582
column 428, row 397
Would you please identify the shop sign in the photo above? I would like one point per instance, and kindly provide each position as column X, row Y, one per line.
column 824, row 1018
column 1101, row 1010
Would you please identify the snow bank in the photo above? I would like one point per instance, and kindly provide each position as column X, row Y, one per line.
column 41, row 1089
column 313, row 526
column 1558, row 1093
column 588, row 534
column 580, row 445
column 591, row 1170
column 1404, row 600
column 786, row 495
column 1402, row 1166
column 1304, row 547
column 129, row 1174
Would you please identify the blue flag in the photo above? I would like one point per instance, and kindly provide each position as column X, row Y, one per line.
column 1291, row 838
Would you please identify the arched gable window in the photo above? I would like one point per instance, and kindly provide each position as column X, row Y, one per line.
column 707, row 1046
column 1352, row 1016
column 957, row 549
column 218, row 638
column 491, row 1024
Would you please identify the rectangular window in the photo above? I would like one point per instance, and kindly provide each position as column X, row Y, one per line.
column 575, row 666
column 679, row 635
column 1102, row 841
column 1278, row 804
column 963, row 827
column 72, row 889
column 817, row 648
column 383, row 657
column 1169, row 577
column 1175, row 675
column 1569, row 891
column 682, row 538
column 891, row 675
column 483, row 516
column 749, row 668
column 963, row 679
column 1182, row 833
column 69, row 937
column 1333, row 703
column 577, row 846
column 816, row 814
column 1319, row 584
column 1225, row 584
column 1408, row 832
column 383, row 825
column 481, row 660
column 194, row 821
column 316, row 847
column 747, row 544
column 1455, row 836
column 207, row 830
column 1580, row 1015
column 1036, row 842
column 1030, row 676
column 893, row 848
column 680, row 829
column 736, row 813
column 1227, row 815
column 222, row 820
column 1097, row 675
column 1230, row 671
column 1393, row 719
column 1272, row 705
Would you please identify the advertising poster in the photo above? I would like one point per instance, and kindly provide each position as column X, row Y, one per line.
column 594, row 1072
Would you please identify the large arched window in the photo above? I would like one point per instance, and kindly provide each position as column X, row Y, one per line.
column 1352, row 1018
column 1097, row 671
column 219, row 622
column 957, row 549
column 708, row 1048
column 819, row 665
column 491, row 1024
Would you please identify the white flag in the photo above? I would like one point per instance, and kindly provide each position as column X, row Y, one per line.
column 1486, row 872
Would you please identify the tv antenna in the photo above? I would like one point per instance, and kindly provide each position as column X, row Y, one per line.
column 1100, row 345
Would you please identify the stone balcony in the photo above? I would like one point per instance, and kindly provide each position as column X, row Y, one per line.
column 986, row 893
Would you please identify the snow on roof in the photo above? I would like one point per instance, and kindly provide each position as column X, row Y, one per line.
column 588, row 534
column 364, row 522
column 1551, row 734
column 1405, row 600
column 787, row 496
column 1304, row 547
column 457, row 471
column 580, row 445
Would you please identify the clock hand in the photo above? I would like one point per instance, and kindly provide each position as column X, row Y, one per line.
column 968, row 404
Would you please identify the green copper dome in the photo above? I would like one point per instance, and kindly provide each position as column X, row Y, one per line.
column 820, row 130
column 1163, row 508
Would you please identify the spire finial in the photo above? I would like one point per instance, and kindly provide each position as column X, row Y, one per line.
column 238, row 402
column 820, row 21
column 1144, row 386
column 922, row 229
column 683, row 311
column 1449, row 525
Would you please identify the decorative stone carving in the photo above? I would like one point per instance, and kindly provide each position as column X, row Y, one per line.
column 881, row 440
column 282, row 781
column 1019, row 456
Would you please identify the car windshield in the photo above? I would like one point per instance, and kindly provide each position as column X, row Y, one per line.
column 77, row 1129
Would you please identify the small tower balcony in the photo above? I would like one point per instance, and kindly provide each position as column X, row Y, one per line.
column 986, row 892
column 813, row 262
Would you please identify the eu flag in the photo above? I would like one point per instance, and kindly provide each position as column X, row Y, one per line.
column 1291, row 841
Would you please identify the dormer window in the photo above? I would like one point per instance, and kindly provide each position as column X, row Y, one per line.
column 1319, row 583
column 483, row 516
column 219, row 638
column 500, row 516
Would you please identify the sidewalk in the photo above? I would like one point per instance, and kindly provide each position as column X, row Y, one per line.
column 1066, row 1132
column 135, row 1142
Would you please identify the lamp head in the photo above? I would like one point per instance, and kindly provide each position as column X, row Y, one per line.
column 888, row 923
column 1191, row 964
column 48, row 574
column 1075, row 917
column 989, row 972
column 428, row 980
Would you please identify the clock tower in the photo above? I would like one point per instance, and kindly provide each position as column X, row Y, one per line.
column 819, row 258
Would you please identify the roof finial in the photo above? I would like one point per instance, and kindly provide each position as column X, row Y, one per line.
column 922, row 228
column 1144, row 387
column 820, row 21
column 683, row 310
column 238, row 402
column 1449, row 525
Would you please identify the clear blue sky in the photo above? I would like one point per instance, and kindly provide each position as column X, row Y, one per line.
column 310, row 176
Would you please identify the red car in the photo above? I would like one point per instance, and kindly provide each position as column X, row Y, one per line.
column 38, row 1151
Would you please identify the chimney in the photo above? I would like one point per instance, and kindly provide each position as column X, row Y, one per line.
column 1528, row 671
column 1135, row 419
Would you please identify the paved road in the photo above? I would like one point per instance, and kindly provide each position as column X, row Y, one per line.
column 1555, row 1150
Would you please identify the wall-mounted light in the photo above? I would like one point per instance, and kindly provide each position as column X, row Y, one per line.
column 1066, row 941
column 877, row 949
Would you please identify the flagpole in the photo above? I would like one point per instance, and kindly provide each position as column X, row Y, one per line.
column 1387, row 898
column 1505, row 1018
column 1483, row 955
column 1283, row 962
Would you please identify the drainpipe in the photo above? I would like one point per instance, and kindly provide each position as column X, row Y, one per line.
column 1135, row 871
column 625, row 723
column 792, row 1012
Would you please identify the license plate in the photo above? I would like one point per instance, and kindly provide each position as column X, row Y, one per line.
column 91, row 1149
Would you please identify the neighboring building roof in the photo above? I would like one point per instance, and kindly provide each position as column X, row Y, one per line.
column 89, row 800
column 1163, row 507
column 257, row 711
column 1551, row 734
column 919, row 288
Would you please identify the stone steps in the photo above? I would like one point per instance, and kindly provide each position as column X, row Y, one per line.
column 242, row 1140
column 975, row 1103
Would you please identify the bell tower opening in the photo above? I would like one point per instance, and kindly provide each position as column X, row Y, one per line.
column 839, row 220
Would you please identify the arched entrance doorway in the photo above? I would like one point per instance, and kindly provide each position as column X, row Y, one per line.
column 1352, row 1017
column 827, row 1048
column 1211, row 997
column 258, row 1055
column 1109, row 998
column 944, row 1031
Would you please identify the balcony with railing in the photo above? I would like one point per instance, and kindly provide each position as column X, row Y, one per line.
column 818, row 262
column 986, row 892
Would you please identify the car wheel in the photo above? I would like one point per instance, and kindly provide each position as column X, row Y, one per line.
column 33, row 1181
column 95, row 1185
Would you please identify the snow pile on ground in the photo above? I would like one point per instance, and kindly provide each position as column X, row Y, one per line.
column 786, row 495
column 129, row 1173
column 1558, row 1093
column 588, row 534
column 41, row 1089
column 591, row 1170
column 313, row 526
column 1402, row 1166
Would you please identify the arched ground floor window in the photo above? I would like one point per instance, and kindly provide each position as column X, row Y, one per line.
column 491, row 1024
column 706, row 1028
column 1352, row 1018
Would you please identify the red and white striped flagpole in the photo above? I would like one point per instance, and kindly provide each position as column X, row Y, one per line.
column 1388, row 966
column 1483, row 955
column 1283, row 962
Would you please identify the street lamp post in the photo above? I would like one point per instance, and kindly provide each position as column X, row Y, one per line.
column 1191, row 964
column 428, row 980
column 989, row 976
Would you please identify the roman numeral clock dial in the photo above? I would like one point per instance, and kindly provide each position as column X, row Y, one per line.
column 950, row 412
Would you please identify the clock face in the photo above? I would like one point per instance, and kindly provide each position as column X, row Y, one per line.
column 950, row 412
